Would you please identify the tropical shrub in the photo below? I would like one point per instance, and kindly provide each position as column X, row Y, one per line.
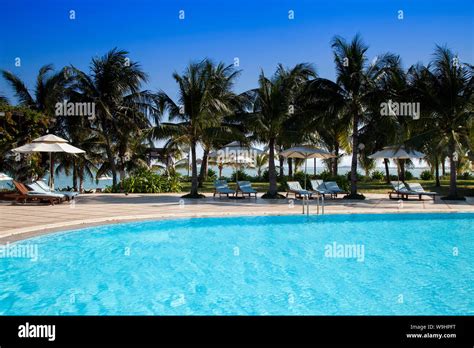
column 409, row 175
column 377, row 175
column 466, row 176
column 446, row 176
column 426, row 175
column 211, row 174
column 147, row 181
column 325, row 175
column 299, row 176
column 241, row 175
column 359, row 176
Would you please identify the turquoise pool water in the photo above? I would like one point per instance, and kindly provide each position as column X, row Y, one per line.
column 418, row 264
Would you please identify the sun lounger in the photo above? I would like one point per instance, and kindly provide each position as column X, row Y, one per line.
column 333, row 188
column 222, row 188
column 246, row 188
column 400, row 189
column 41, row 186
column 319, row 187
column 416, row 187
column 326, row 188
column 404, row 192
column 295, row 188
column 26, row 195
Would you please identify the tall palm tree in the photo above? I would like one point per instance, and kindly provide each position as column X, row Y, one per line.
column 357, row 84
column 205, row 98
column 49, row 89
column 269, row 107
column 445, row 91
column 120, row 106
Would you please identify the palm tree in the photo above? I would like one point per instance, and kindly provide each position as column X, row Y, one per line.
column 270, row 106
column 261, row 160
column 444, row 89
column 120, row 107
column 357, row 87
column 205, row 98
column 49, row 89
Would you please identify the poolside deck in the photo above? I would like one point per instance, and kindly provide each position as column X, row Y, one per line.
column 23, row 221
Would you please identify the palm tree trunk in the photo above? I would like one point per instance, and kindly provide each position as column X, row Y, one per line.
column 272, row 178
column 402, row 170
column 111, row 159
column 290, row 167
column 334, row 163
column 387, row 171
column 438, row 184
column 355, row 144
column 74, row 175
column 194, row 175
column 81, row 184
column 281, row 165
column 453, row 190
column 203, row 171
column 122, row 172
column 443, row 167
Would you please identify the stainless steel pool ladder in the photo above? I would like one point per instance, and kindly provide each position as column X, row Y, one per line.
column 318, row 204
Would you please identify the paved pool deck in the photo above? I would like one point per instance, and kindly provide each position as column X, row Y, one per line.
column 21, row 221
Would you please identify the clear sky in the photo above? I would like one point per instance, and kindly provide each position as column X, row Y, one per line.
column 258, row 32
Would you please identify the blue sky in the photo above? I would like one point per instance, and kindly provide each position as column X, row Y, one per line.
column 258, row 32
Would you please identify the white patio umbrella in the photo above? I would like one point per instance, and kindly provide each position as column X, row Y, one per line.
column 104, row 177
column 306, row 152
column 5, row 177
column 49, row 143
column 396, row 152
column 236, row 154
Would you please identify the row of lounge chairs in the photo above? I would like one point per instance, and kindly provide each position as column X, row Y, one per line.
column 330, row 188
column 39, row 191
column 318, row 186
column 221, row 187
column 404, row 190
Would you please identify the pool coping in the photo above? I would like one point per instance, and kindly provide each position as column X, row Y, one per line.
column 36, row 231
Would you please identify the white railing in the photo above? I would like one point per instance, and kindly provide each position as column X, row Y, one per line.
column 319, row 204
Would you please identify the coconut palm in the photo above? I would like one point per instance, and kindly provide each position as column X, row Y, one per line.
column 358, row 84
column 205, row 98
column 120, row 107
column 445, row 91
column 270, row 106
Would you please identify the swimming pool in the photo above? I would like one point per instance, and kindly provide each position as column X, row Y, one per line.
column 383, row 264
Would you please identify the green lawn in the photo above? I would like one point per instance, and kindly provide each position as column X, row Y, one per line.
column 465, row 187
